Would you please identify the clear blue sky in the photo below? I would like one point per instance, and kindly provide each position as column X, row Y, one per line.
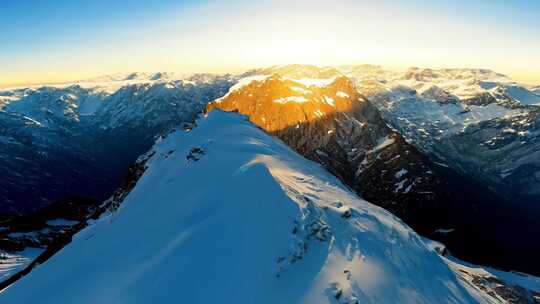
column 51, row 40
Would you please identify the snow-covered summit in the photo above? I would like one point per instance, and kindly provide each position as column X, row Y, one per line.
column 131, row 76
column 226, row 212
column 297, row 101
column 425, row 74
column 297, row 71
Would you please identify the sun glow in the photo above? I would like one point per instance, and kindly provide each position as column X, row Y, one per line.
column 221, row 36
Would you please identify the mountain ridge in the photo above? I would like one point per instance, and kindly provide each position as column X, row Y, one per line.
column 138, row 102
column 350, row 250
column 349, row 137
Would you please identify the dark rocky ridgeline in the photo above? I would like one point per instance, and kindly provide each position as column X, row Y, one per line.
column 334, row 125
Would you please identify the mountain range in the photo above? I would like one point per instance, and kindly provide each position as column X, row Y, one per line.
column 343, row 124
column 451, row 152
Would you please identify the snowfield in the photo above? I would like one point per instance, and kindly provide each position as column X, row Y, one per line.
column 226, row 213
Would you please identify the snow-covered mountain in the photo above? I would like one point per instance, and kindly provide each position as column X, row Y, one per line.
column 478, row 123
column 425, row 144
column 227, row 213
column 97, row 128
column 50, row 125
column 66, row 148
column 482, row 124
column 328, row 121
column 471, row 86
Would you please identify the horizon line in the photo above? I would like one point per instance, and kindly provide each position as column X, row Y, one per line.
column 89, row 78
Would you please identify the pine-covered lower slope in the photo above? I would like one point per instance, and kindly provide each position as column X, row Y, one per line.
column 227, row 214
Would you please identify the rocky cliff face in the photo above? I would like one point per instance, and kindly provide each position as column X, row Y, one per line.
column 328, row 121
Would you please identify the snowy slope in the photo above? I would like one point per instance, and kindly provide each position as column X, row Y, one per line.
column 71, row 145
column 227, row 213
column 99, row 128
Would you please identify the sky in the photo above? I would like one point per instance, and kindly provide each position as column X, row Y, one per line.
column 45, row 41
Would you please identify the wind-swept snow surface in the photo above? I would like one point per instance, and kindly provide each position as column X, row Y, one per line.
column 227, row 214
column 11, row 263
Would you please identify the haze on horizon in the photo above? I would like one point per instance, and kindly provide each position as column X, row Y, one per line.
column 60, row 40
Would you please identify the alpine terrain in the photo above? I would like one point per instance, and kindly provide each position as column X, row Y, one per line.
column 113, row 194
column 324, row 116
column 199, row 171
column 66, row 148
column 225, row 212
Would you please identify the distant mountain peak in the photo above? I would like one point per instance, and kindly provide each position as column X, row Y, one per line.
column 423, row 74
column 161, row 76
column 133, row 76
column 297, row 71
column 297, row 100
column 136, row 76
